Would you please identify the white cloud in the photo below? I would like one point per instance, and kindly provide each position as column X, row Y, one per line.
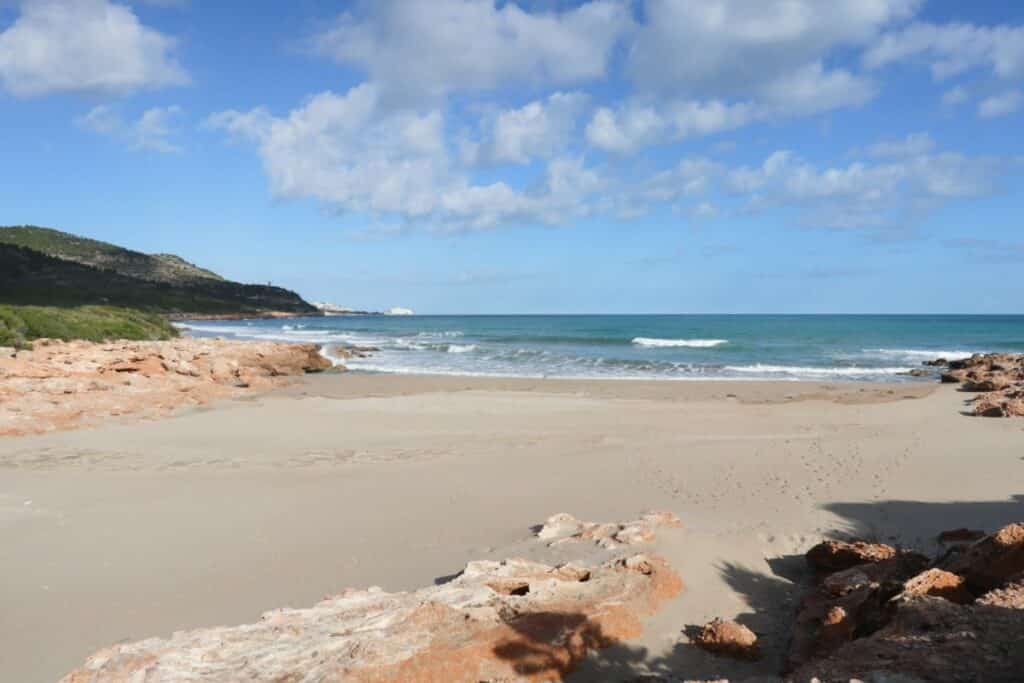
column 84, row 46
column 152, row 131
column 540, row 129
column 433, row 47
column 952, row 49
column 633, row 125
column 911, row 181
column 1001, row 104
column 355, row 155
column 723, row 48
column 914, row 144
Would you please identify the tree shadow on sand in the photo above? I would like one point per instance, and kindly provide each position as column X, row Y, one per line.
column 549, row 643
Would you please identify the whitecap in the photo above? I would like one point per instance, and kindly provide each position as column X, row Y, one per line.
column 689, row 343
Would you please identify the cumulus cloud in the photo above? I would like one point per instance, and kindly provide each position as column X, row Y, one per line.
column 734, row 47
column 952, row 49
column 634, row 124
column 152, row 130
column 433, row 47
column 1001, row 104
column 84, row 46
column 911, row 181
column 354, row 154
column 539, row 129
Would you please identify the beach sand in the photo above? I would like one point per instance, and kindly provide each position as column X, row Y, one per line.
column 212, row 516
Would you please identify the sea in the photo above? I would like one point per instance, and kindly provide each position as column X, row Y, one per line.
column 664, row 347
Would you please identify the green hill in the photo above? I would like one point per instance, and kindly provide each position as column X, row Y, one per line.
column 57, row 285
column 44, row 267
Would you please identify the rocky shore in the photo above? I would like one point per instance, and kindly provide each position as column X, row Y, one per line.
column 61, row 385
column 869, row 612
column 998, row 378
column 511, row 620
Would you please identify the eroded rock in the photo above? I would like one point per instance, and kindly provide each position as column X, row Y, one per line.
column 59, row 385
column 831, row 556
column 564, row 528
column 728, row 638
column 514, row 620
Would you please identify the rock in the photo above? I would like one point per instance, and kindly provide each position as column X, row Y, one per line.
column 1009, row 403
column 564, row 528
column 998, row 376
column 1010, row 596
column 831, row 556
column 937, row 363
column 535, row 627
column 929, row 639
column 941, row 584
column 728, row 638
column 918, row 372
column 960, row 535
column 992, row 561
column 848, row 602
column 60, row 385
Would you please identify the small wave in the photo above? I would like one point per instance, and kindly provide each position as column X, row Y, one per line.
column 922, row 354
column 689, row 343
column 810, row 371
column 461, row 348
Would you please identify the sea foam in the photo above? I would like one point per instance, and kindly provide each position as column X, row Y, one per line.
column 688, row 343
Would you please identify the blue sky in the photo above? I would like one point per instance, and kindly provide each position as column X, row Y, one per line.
column 535, row 156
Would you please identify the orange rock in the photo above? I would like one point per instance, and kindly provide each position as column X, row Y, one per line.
column 939, row 583
column 830, row 556
column 728, row 638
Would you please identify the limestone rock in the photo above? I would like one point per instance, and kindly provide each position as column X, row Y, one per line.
column 463, row 630
column 59, row 385
column 728, row 638
column 564, row 528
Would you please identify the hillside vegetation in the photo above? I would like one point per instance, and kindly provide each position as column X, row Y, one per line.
column 19, row 325
column 44, row 267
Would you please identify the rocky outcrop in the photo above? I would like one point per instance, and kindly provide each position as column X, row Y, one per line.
column 999, row 377
column 59, row 385
column 899, row 619
column 514, row 620
column 727, row 638
column 830, row 556
column 564, row 528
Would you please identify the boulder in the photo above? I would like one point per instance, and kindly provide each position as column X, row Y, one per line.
column 728, row 638
column 831, row 556
column 992, row 561
column 960, row 535
column 941, row 584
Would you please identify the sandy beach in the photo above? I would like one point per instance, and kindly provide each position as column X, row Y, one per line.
column 136, row 528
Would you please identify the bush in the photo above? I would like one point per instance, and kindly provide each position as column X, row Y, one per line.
column 19, row 325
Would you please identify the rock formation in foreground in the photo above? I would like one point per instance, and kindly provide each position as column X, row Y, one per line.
column 564, row 528
column 59, row 385
column 998, row 377
column 497, row 621
column 898, row 616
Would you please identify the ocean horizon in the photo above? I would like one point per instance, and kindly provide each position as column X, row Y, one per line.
column 811, row 347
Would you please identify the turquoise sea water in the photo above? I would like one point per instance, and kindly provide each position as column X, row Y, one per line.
column 809, row 347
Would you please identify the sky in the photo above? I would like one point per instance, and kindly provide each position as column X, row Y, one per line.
column 537, row 156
